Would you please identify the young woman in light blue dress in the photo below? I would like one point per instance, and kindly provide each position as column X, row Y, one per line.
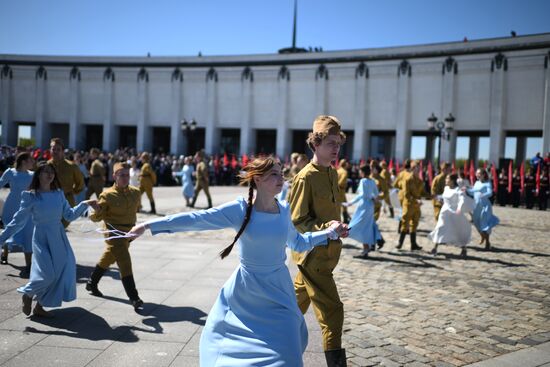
column 255, row 320
column 187, row 186
column 363, row 227
column 53, row 271
column 19, row 179
column 483, row 217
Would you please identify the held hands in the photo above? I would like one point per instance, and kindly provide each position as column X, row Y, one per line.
column 345, row 205
column 93, row 204
column 340, row 228
column 138, row 230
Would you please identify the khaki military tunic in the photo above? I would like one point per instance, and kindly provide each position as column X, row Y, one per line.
column 383, row 195
column 147, row 179
column 97, row 179
column 413, row 189
column 342, row 183
column 71, row 180
column 118, row 208
column 386, row 175
column 400, row 184
column 202, row 182
column 314, row 202
column 438, row 186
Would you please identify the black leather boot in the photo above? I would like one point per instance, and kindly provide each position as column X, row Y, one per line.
column 194, row 201
column 414, row 245
column 91, row 284
column 391, row 212
column 131, row 291
column 402, row 236
column 153, row 209
column 336, row 358
column 209, row 203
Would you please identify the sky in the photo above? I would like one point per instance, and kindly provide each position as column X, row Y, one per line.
column 224, row 27
column 236, row 27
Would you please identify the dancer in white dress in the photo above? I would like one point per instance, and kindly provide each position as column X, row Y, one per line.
column 453, row 228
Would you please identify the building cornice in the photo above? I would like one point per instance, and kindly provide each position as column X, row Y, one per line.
column 439, row 50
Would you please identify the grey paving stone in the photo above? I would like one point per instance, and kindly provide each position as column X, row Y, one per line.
column 40, row 356
column 144, row 353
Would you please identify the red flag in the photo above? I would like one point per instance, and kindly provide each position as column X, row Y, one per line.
column 472, row 172
column 225, row 160
column 396, row 167
column 466, row 168
column 510, row 170
column 522, row 176
column 421, row 173
column 538, row 178
column 430, row 173
column 234, row 162
column 495, row 176
column 453, row 167
column 216, row 163
column 245, row 160
column 390, row 166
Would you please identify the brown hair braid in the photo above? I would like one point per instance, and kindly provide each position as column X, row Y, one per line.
column 257, row 167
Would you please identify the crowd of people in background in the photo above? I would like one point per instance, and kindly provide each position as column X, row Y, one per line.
column 525, row 184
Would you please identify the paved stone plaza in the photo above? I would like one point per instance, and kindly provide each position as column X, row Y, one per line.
column 401, row 308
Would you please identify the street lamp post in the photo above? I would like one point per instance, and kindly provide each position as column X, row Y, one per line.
column 188, row 130
column 443, row 128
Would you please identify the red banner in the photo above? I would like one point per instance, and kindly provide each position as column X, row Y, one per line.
column 245, row 160
column 510, row 171
column 421, row 173
column 390, row 166
column 430, row 173
column 453, row 167
column 234, row 162
column 466, row 168
column 225, row 160
column 522, row 176
column 495, row 177
column 472, row 172
column 538, row 178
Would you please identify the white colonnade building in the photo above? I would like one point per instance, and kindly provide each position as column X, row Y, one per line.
column 495, row 89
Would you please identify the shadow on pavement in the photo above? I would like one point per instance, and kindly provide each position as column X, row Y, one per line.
column 90, row 326
column 83, row 273
column 420, row 264
column 507, row 250
column 164, row 314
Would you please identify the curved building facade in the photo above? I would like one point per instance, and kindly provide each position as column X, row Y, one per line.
column 492, row 89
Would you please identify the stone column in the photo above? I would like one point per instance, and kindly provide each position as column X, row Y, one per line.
column 9, row 129
column 41, row 132
column 108, row 128
column 360, row 113
column 499, row 66
column 403, row 134
column 450, row 69
column 178, row 143
column 321, row 85
column 546, row 113
column 74, row 129
column 247, row 134
column 212, row 137
column 283, row 133
column 144, row 141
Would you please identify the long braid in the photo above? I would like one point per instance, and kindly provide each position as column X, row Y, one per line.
column 247, row 216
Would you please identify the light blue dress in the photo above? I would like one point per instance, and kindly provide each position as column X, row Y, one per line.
column 363, row 226
column 483, row 216
column 187, row 186
column 19, row 182
column 255, row 320
column 53, row 268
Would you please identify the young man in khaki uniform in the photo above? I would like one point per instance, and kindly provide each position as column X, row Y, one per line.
column 97, row 175
column 314, row 204
column 412, row 188
column 386, row 175
column 202, row 179
column 118, row 206
column 438, row 186
column 147, row 179
column 68, row 173
column 399, row 184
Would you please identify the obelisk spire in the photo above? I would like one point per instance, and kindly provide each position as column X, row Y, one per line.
column 294, row 29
